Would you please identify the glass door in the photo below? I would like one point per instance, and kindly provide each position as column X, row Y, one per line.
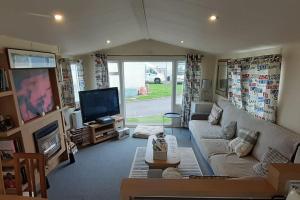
column 148, row 92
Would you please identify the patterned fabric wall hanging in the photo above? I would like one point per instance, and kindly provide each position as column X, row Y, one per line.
column 254, row 84
column 101, row 71
column 191, row 86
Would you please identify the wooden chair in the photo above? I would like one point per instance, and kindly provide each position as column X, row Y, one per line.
column 31, row 162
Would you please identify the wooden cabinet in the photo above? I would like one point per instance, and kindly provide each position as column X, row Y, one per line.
column 102, row 132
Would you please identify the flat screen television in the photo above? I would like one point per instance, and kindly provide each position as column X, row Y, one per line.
column 99, row 103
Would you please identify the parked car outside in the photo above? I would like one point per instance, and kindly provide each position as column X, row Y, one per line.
column 153, row 76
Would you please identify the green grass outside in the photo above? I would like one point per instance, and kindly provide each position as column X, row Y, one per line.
column 157, row 91
column 149, row 119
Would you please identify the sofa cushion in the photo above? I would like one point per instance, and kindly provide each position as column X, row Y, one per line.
column 215, row 115
column 243, row 144
column 271, row 156
column 203, row 129
column 210, row 147
column 233, row 166
column 270, row 135
column 228, row 130
column 229, row 114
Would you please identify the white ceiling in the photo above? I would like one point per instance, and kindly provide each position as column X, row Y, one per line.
column 242, row 24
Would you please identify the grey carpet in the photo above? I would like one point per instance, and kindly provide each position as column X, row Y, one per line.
column 99, row 169
column 188, row 165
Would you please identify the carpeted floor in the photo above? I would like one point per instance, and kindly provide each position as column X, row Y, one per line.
column 99, row 169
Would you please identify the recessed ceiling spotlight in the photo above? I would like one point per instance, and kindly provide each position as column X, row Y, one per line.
column 108, row 41
column 58, row 17
column 181, row 41
column 213, row 18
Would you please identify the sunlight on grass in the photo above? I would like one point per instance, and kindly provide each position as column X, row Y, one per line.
column 156, row 119
column 157, row 91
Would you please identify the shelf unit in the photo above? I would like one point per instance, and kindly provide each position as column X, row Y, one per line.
column 103, row 132
column 23, row 131
column 6, row 93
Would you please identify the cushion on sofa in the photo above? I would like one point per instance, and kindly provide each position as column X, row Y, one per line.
column 229, row 114
column 271, row 156
column 203, row 129
column 232, row 165
column 215, row 115
column 228, row 130
column 270, row 135
column 210, row 147
column 244, row 143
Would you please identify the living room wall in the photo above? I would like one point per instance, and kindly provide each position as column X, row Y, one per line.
column 289, row 97
column 11, row 42
column 148, row 48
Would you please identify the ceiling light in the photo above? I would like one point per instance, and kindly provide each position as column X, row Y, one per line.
column 181, row 41
column 213, row 18
column 58, row 17
column 107, row 41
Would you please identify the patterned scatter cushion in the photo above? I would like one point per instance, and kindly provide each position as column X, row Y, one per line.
column 215, row 114
column 244, row 143
column 228, row 130
column 271, row 156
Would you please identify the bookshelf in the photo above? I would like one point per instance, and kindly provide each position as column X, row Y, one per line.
column 22, row 132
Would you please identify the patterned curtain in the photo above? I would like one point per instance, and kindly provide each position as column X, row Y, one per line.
column 101, row 71
column 67, row 89
column 191, row 87
column 254, row 84
column 66, row 80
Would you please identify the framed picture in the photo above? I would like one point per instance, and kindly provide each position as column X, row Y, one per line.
column 24, row 59
column 222, row 79
column 34, row 92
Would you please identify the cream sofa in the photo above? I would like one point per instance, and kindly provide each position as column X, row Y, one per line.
column 209, row 140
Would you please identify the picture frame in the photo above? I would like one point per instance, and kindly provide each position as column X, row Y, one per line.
column 222, row 78
column 26, row 59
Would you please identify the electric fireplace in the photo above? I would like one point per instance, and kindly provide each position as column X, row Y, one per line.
column 47, row 140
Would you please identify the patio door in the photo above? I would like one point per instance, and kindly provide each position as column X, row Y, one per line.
column 148, row 89
column 148, row 92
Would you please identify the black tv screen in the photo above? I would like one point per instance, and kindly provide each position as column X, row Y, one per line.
column 99, row 103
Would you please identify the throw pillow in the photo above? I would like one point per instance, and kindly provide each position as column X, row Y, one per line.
column 244, row 143
column 228, row 130
column 271, row 156
column 215, row 114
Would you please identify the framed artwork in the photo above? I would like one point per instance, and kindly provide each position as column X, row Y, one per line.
column 34, row 92
column 222, row 79
column 24, row 59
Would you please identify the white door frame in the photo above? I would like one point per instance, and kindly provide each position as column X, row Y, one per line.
column 121, row 59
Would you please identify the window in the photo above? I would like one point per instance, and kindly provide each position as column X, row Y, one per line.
column 180, row 69
column 76, row 81
column 114, row 75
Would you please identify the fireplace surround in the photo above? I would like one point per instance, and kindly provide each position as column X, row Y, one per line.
column 47, row 140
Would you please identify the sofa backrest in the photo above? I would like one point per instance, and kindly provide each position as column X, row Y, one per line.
column 270, row 135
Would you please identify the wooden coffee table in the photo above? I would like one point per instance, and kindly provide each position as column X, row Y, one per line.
column 173, row 156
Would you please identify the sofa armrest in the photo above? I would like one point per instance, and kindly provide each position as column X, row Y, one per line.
column 199, row 116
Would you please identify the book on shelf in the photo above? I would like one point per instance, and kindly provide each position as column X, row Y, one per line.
column 7, row 149
column 3, row 80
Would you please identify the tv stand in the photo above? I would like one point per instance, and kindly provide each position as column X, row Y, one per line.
column 101, row 132
column 105, row 120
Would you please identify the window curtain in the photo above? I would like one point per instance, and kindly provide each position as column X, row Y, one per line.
column 191, row 86
column 67, row 90
column 254, row 84
column 66, row 80
column 101, row 70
